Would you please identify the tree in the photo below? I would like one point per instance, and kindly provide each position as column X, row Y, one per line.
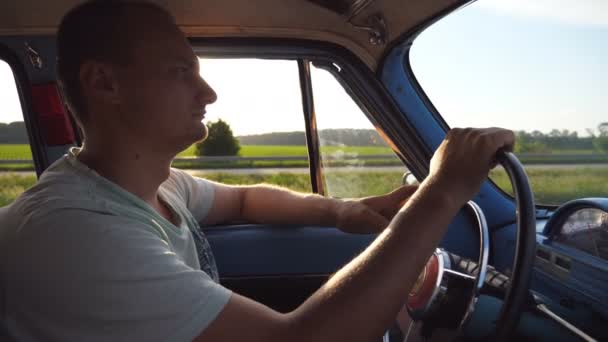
column 13, row 133
column 603, row 129
column 527, row 143
column 219, row 142
column 600, row 141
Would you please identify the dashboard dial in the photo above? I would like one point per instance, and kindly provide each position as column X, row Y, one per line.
column 586, row 230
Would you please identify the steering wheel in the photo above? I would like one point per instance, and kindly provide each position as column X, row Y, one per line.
column 445, row 297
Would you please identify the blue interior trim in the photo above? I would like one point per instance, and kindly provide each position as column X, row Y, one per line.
column 499, row 209
column 259, row 250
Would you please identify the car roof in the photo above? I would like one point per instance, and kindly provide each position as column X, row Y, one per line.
column 331, row 21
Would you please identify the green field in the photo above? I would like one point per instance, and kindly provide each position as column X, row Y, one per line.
column 23, row 152
column 12, row 185
column 556, row 186
column 15, row 151
column 281, row 151
column 348, row 156
column 551, row 186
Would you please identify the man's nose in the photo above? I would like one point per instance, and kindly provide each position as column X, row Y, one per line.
column 206, row 94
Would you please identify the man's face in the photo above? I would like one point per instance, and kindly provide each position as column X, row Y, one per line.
column 162, row 96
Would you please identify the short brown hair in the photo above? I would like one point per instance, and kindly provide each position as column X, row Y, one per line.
column 98, row 30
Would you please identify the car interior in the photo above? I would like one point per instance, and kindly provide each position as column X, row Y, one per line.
column 507, row 268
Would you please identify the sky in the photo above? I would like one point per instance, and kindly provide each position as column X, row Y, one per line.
column 519, row 64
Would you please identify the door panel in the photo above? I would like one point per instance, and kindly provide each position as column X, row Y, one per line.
column 281, row 266
column 258, row 250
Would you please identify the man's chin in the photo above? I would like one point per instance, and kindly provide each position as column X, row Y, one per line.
column 203, row 134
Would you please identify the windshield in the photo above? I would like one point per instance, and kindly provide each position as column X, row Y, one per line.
column 536, row 67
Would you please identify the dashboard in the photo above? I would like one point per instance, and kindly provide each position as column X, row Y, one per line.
column 571, row 264
column 570, row 275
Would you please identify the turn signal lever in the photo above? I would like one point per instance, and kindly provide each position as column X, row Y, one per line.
column 496, row 283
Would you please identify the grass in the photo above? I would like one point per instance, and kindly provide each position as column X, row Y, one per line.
column 22, row 152
column 15, row 152
column 280, row 151
column 12, row 185
column 551, row 186
column 556, row 186
column 284, row 151
column 338, row 184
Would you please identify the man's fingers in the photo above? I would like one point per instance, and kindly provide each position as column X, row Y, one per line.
column 504, row 139
column 462, row 161
column 489, row 141
column 377, row 220
column 400, row 195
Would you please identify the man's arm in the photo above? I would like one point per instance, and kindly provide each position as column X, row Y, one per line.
column 274, row 205
column 360, row 301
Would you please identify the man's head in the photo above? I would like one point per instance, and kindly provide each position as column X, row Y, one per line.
column 124, row 67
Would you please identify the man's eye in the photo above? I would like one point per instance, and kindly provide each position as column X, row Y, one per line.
column 181, row 69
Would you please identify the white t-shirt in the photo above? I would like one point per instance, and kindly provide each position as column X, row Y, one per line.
column 84, row 260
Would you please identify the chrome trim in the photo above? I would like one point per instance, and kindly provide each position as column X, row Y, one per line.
column 406, row 335
column 441, row 286
column 444, row 268
column 544, row 309
column 484, row 252
column 484, row 244
column 34, row 56
column 460, row 274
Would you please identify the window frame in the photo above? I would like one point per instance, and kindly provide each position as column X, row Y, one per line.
column 23, row 84
column 361, row 83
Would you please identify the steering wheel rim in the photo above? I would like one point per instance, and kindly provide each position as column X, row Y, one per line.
column 525, row 246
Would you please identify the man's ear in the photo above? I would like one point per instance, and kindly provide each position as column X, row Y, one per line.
column 99, row 82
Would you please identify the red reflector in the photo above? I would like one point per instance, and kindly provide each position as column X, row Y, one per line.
column 53, row 119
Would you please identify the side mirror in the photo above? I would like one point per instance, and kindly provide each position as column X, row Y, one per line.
column 409, row 179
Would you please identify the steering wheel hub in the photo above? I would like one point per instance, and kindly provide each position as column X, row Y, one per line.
column 428, row 288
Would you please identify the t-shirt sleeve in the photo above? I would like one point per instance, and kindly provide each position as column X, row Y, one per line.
column 91, row 277
column 197, row 193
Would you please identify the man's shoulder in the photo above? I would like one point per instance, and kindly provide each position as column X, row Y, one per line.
column 197, row 194
column 58, row 189
column 57, row 185
column 182, row 184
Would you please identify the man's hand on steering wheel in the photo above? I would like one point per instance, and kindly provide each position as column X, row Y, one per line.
column 463, row 160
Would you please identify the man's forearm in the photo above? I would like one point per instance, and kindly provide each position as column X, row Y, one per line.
column 364, row 297
column 273, row 205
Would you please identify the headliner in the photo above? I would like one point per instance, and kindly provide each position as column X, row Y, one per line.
column 259, row 18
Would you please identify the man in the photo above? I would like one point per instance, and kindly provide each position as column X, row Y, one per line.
column 104, row 247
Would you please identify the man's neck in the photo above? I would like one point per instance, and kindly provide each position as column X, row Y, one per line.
column 136, row 169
